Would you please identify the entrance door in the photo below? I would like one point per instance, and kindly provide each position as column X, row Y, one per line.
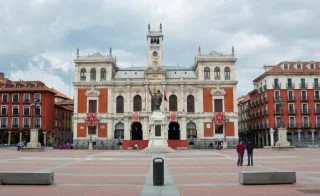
column 136, row 131
column 174, row 131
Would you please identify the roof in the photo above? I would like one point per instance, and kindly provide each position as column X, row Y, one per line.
column 290, row 68
column 24, row 86
column 59, row 94
column 243, row 99
column 66, row 102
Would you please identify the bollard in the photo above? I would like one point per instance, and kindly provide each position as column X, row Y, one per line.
column 158, row 171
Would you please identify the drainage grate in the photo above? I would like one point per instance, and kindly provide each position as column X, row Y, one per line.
column 310, row 191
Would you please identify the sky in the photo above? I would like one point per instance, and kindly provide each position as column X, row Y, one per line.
column 39, row 38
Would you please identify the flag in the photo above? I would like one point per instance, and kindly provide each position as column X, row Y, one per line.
column 173, row 116
column 219, row 118
column 92, row 119
column 135, row 116
column 165, row 94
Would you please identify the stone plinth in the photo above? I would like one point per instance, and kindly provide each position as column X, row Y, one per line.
column 33, row 139
column 282, row 138
column 158, row 141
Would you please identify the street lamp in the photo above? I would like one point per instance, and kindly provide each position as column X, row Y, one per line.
column 34, row 131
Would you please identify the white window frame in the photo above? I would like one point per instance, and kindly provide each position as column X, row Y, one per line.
column 35, row 120
column 35, row 109
column 26, row 119
column 3, row 96
column 294, row 120
column 292, row 107
column 13, row 96
column 4, row 106
column 315, row 107
column 13, row 121
column 15, row 106
column 305, row 92
column 315, row 94
column 307, row 120
column 275, row 92
column 26, row 106
column 24, row 97
column 6, row 122
column 34, row 96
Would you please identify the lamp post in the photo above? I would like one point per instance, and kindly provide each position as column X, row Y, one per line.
column 34, row 131
column 282, row 130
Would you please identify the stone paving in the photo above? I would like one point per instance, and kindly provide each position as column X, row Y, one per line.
column 187, row 172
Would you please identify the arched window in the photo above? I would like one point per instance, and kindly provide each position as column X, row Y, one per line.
column 227, row 73
column 93, row 74
column 190, row 103
column 103, row 74
column 191, row 130
column 137, row 103
column 120, row 104
column 217, row 73
column 83, row 74
column 119, row 131
column 173, row 105
column 207, row 73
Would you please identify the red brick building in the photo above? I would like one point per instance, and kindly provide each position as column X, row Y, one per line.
column 31, row 104
column 286, row 95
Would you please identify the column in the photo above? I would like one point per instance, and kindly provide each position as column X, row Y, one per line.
column 145, row 129
column 183, row 129
column 20, row 137
column 44, row 138
column 9, row 137
column 181, row 98
column 299, row 135
column 129, row 100
column 110, row 129
column 126, row 129
column 312, row 134
column 267, row 140
column 271, row 137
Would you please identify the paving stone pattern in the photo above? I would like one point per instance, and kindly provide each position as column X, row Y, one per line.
column 187, row 172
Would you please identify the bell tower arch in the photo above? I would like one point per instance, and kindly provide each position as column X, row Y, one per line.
column 155, row 47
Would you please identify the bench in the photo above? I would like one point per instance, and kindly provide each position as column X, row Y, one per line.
column 27, row 178
column 266, row 177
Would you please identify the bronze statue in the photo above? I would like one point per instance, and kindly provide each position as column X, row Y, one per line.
column 156, row 99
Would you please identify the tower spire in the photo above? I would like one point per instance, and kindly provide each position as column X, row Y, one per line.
column 77, row 52
column 149, row 27
column 199, row 51
column 160, row 27
column 232, row 50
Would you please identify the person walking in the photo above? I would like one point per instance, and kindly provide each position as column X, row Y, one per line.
column 249, row 148
column 240, row 151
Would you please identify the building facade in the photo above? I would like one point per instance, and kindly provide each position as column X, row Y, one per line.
column 29, row 105
column 120, row 98
column 286, row 95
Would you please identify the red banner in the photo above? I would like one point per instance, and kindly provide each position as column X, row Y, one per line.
column 92, row 119
column 173, row 116
column 135, row 116
column 219, row 118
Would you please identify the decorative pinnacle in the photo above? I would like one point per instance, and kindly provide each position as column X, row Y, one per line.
column 149, row 27
column 110, row 52
column 77, row 52
column 199, row 51
column 160, row 27
column 232, row 51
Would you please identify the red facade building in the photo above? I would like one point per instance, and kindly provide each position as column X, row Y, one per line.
column 287, row 95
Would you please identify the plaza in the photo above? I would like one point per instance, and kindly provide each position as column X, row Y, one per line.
column 191, row 172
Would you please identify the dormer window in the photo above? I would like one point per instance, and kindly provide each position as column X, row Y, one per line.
column 93, row 74
column 299, row 66
column 312, row 66
column 285, row 66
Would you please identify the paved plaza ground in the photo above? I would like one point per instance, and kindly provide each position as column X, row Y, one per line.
column 189, row 172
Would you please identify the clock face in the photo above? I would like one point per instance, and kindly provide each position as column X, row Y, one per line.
column 155, row 54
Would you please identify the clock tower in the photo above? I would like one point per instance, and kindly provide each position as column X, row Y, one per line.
column 155, row 47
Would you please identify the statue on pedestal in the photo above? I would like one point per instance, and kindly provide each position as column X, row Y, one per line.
column 156, row 99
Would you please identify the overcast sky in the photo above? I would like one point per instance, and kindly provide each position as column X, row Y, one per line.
column 38, row 38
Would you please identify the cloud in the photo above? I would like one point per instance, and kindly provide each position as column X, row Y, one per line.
column 43, row 35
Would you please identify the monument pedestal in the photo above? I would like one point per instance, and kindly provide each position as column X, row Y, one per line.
column 33, row 145
column 90, row 146
column 282, row 143
column 158, row 142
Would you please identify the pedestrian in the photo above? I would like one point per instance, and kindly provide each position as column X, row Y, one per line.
column 211, row 145
column 249, row 148
column 240, row 151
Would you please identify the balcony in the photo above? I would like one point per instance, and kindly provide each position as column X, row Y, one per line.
column 305, row 111
column 37, row 114
column 276, row 86
column 292, row 112
column 316, row 98
column 37, row 126
column 277, row 98
column 291, row 98
column 290, row 86
column 305, row 125
column 15, row 101
column 4, row 101
column 26, row 126
column 317, row 125
column 26, row 114
column 317, row 111
column 278, row 112
column 292, row 125
column 279, row 125
column 303, row 85
column 316, row 85
column 26, row 101
column 15, row 126
column 304, row 98
column 4, row 114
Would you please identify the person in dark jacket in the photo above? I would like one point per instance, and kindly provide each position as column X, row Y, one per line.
column 249, row 148
column 240, row 151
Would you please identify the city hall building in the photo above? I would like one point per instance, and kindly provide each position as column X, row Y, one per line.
column 112, row 105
